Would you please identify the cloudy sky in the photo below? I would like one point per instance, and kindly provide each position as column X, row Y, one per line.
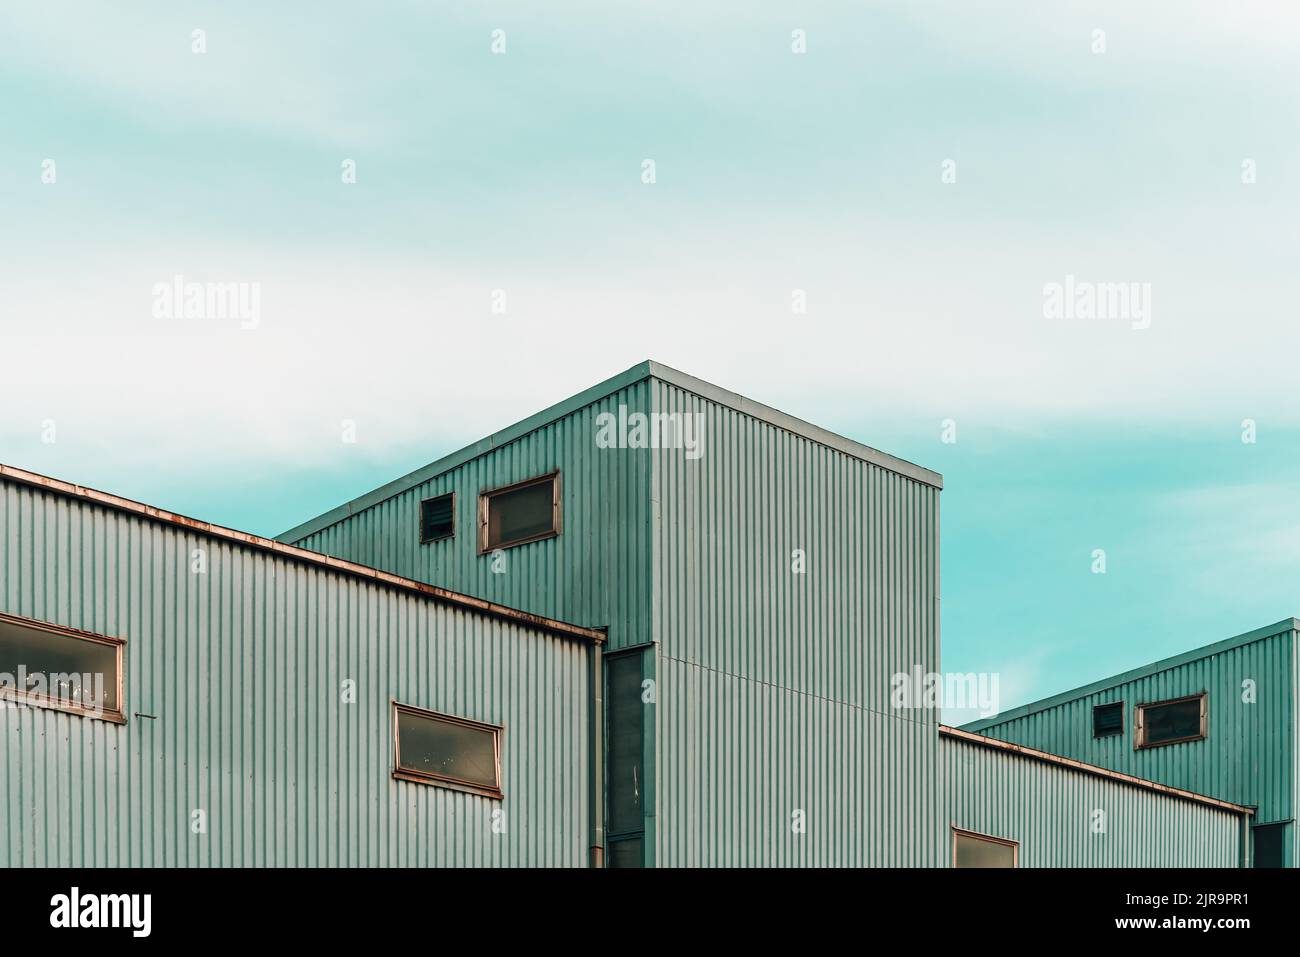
column 1160, row 151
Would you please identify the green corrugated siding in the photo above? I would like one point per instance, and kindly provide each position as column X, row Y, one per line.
column 774, row 686
column 1294, row 854
column 595, row 573
column 738, row 759
column 242, row 667
column 1248, row 756
column 1052, row 811
column 696, row 556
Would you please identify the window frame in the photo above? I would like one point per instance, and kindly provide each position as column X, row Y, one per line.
column 442, row 780
column 117, row 716
column 1140, row 742
column 484, row 511
column 434, row 498
column 1118, row 706
column 976, row 835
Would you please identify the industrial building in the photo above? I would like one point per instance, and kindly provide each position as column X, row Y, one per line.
column 1219, row 720
column 652, row 625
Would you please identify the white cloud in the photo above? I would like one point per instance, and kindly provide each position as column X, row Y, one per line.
column 415, row 353
column 921, row 303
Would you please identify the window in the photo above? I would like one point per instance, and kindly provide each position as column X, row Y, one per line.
column 523, row 512
column 54, row 667
column 451, row 752
column 1270, row 845
column 979, row 850
column 437, row 518
column 1108, row 719
column 625, row 766
column 1168, row 722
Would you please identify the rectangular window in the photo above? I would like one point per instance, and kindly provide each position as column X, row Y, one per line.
column 980, row 850
column 524, row 512
column 50, row 666
column 625, row 764
column 1108, row 719
column 437, row 518
column 451, row 752
column 1270, row 845
column 1169, row 722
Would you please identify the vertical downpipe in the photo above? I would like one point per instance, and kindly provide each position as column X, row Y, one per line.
column 596, row 754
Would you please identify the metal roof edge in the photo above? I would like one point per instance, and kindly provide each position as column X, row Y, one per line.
column 294, row 553
column 510, row 433
column 783, row 420
column 1164, row 664
column 637, row 373
column 1093, row 769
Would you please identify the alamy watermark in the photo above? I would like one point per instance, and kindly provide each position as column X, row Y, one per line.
column 952, row 690
column 223, row 301
column 1075, row 299
column 76, row 909
column 655, row 430
column 82, row 691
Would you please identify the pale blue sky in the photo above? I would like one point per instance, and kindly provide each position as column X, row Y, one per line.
column 775, row 172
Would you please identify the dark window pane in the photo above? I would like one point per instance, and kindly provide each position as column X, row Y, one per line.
column 625, row 853
column 436, row 519
column 522, row 513
column 1270, row 844
column 1169, row 722
column 624, row 707
column 70, row 671
column 977, row 852
column 1108, row 719
column 446, row 749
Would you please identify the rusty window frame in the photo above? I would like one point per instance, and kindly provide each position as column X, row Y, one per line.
column 442, row 780
column 484, row 509
column 1140, row 742
column 435, row 498
column 989, row 838
column 114, row 716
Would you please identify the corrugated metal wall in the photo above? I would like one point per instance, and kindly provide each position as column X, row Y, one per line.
column 775, row 686
column 1248, row 756
column 755, row 664
column 1294, row 849
column 772, row 705
column 241, row 668
column 739, row 759
column 1052, row 812
column 596, row 573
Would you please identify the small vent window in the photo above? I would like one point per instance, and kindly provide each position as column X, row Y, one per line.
column 1169, row 722
column 1108, row 719
column 437, row 518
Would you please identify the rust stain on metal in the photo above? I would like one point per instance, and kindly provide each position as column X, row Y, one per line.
column 998, row 745
column 294, row 553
